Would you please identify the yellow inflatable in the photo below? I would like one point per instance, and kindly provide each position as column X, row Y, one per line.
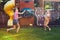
column 8, row 8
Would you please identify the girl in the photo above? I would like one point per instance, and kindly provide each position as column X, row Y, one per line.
column 47, row 19
column 15, row 20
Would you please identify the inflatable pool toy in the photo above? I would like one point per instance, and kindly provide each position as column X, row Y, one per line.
column 8, row 8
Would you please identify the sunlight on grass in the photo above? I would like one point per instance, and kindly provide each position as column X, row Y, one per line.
column 31, row 34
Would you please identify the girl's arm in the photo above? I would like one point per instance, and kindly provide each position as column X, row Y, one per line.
column 21, row 12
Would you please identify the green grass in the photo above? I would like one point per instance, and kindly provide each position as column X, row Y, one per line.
column 30, row 34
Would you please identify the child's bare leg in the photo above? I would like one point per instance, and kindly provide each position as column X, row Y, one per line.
column 45, row 24
column 18, row 27
column 14, row 27
column 48, row 28
column 45, row 28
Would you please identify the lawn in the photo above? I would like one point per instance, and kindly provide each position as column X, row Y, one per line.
column 31, row 33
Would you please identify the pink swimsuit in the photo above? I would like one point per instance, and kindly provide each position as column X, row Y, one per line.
column 16, row 14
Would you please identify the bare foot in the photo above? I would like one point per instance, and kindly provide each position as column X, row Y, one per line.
column 49, row 29
column 7, row 30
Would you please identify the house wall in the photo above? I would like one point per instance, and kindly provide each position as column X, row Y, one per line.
column 24, row 4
